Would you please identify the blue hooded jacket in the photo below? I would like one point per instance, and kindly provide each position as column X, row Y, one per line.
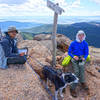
column 79, row 48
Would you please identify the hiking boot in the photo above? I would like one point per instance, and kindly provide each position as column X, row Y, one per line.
column 85, row 87
column 64, row 90
column 73, row 93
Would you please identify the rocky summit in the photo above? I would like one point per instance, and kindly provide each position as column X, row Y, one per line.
column 20, row 82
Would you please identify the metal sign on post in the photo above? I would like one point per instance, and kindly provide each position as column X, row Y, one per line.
column 57, row 10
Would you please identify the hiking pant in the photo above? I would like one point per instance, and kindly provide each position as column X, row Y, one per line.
column 79, row 71
column 16, row 60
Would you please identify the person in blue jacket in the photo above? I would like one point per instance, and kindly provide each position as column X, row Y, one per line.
column 79, row 51
column 9, row 45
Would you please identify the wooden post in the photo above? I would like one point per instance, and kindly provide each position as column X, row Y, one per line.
column 54, row 43
column 57, row 10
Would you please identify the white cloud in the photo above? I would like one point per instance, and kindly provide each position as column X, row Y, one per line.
column 76, row 4
column 11, row 2
column 96, row 13
column 34, row 8
column 29, row 8
column 39, row 8
column 97, row 1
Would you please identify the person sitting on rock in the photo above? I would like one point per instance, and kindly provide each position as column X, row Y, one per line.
column 79, row 51
column 9, row 45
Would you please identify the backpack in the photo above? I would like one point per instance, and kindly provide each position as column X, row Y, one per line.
column 3, row 59
column 67, row 60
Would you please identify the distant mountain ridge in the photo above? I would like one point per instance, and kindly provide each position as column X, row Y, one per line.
column 20, row 25
column 92, row 30
column 29, row 29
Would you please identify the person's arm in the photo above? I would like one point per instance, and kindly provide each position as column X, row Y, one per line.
column 15, row 49
column 13, row 55
column 7, row 49
column 86, row 50
column 70, row 50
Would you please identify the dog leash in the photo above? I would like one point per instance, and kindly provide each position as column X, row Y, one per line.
column 41, row 63
column 44, row 85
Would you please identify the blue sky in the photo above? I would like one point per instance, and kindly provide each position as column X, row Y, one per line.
column 39, row 8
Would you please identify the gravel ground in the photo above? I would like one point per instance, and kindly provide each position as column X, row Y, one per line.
column 19, row 82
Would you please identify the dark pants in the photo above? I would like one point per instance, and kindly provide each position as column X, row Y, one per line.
column 79, row 70
column 16, row 60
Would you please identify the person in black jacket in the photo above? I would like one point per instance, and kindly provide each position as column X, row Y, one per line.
column 9, row 45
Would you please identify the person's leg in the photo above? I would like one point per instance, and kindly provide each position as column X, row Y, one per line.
column 76, row 72
column 82, row 72
column 82, row 76
column 16, row 60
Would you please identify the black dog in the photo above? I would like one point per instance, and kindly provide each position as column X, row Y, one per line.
column 59, row 80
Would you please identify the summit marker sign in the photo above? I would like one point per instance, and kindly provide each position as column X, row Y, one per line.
column 55, row 7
